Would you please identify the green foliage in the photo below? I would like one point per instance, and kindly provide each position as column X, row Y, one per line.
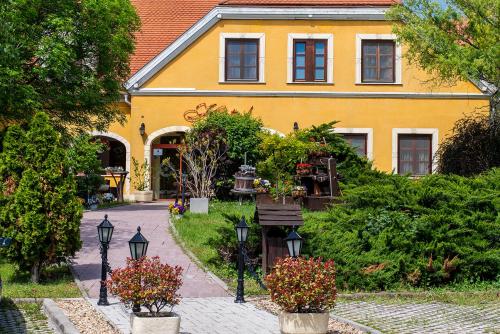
column 83, row 156
column 140, row 180
column 241, row 133
column 393, row 232
column 457, row 42
column 240, row 129
column 474, row 146
column 68, row 58
column 281, row 154
column 39, row 208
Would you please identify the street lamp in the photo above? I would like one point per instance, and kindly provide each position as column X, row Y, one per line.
column 242, row 234
column 138, row 245
column 105, row 232
column 138, row 248
column 142, row 129
column 294, row 243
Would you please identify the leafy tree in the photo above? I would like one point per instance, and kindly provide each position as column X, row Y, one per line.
column 460, row 41
column 39, row 208
column 474, row 146
column 65, row 57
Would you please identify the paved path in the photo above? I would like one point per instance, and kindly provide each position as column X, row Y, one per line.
column 15, row 320
column 425, row 318
column 153, row 219
column 217, row 315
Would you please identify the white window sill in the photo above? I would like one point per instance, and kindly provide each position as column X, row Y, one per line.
column 242, row 82
column 378, row 83
column 309, row 83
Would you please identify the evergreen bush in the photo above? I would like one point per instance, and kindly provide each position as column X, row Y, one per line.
column 393, row 232
column 39, row 208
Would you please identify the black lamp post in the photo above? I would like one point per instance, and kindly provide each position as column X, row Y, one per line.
column 294, row 243
column 142, row 129
column 138, row 248
column 242, row 234
column 105, row 232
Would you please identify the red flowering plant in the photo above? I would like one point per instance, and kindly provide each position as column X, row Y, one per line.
column 147, row 282
column 303, row 168
column 303, row 285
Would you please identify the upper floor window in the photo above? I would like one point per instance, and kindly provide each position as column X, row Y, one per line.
column 378, row 61
column 310, row 60
column 242, row 59
column 415, row 154
column 358, row 141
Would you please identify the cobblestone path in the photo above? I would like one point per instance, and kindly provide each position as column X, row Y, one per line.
column 435, row 318
column 15, row 320
column 218, row 315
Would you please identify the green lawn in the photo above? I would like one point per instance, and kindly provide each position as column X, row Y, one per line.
column 57, row 282
column 196, row 229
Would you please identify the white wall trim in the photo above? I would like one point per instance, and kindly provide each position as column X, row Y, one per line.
column 318, row 94
column 127, row 152
column 153, row 136
column 398, row 57
column 262, row 55
column 330, row 57
column 369, row 137
column 248, row 13
column 420, row 131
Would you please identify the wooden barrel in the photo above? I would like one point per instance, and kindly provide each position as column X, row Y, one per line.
column 243, row 183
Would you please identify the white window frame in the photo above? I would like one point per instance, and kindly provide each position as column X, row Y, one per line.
column 417, row 131
column 222, row 55
column 329, row 61
column 362, row 131
column 397, row 58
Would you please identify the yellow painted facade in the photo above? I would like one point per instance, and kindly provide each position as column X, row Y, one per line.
column 198, row 66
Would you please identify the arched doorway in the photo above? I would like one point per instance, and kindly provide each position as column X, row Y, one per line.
column 116, row 152
column 161, row 146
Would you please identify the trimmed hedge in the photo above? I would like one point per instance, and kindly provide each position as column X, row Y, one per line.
column 392, row 231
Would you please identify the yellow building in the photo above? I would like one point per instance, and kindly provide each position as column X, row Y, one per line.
column 308, row 62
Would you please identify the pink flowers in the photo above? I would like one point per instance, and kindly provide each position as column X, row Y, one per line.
column 303, row 285
column 147, row 282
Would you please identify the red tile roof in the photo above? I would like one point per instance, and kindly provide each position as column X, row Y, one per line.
column 163, row 21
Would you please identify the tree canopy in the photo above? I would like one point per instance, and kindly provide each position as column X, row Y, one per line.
column 65, row 57
column 458, row 41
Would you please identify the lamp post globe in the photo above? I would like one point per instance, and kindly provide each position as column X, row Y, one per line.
column 138, row 245
column 242, row 230
column 294, row 243
column 105, row 231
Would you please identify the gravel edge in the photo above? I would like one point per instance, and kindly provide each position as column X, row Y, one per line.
column 58, row 318
column 357, row 325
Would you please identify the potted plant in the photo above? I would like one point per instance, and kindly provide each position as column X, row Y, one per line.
column 141, row 181
column 154, row 285
column 201, row 153
column 176, row 210
column 305, row 291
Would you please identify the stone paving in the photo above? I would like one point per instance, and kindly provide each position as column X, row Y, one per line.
column 435, row 318
column 217, row 315
column 16, row 321
column 154, row 223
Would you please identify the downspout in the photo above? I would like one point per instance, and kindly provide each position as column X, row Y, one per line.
column 126, row 99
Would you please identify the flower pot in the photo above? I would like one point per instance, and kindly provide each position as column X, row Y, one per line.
column 142, row 323
column 178, row 217
column 303, row 323
column 198, row 205
column 143, row 196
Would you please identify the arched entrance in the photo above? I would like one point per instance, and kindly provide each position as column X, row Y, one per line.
column 116, row 152
column 161, row 146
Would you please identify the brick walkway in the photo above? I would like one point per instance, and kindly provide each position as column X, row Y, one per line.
column 219, row 315
column 153, row 219
column 435, row 318
column 18, row 321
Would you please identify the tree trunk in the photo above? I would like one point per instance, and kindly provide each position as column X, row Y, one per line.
column 35, row 272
